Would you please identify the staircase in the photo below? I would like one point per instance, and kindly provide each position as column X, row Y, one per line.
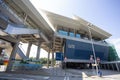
column 58, row 44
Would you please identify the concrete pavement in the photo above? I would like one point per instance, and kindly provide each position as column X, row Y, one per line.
column 60, row 74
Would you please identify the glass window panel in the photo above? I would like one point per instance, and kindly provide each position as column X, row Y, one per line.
column 71, row 34
column 63, row 32
column 78, row 36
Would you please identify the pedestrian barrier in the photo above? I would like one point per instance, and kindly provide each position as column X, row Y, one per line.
column 27, row 66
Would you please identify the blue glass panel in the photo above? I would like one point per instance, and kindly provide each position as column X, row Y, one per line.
column 63, row 32
column 71, row 34
column 78, row 36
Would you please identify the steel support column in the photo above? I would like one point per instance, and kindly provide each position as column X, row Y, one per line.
column 52, row 63
column 117, row 67
column 93, row 48
column 28, row 49
column 74, row 33
column 38, row 50
column 100, row 66
column 104, row 66
column 48, row 58
column 112, row 66
column 13, row 55
column 108, row 66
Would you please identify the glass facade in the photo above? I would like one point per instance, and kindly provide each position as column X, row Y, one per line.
column 62, row 32
column 82, row 50
column 71, row 34
column 78, row 36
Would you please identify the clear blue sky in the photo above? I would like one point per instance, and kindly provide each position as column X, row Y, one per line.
column 103, row 13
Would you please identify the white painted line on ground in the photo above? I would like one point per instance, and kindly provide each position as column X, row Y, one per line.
column 46, row 77
column 15, row 78
column 66, row 78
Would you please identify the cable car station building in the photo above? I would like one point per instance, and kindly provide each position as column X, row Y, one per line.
column 74, row 38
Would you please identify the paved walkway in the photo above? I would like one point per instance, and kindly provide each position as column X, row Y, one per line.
column 60, row 74
column 106, row 75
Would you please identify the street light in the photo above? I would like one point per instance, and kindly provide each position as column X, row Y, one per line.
column 93, row 49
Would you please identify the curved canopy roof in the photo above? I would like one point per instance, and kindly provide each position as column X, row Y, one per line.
column 77, row 23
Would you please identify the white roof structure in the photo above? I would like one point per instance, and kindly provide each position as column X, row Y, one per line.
column 77, row 23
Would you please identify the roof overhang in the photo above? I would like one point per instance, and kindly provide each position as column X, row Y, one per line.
column 94, row 29
column 77, row 24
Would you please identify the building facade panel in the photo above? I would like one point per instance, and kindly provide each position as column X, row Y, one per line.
column 83, row 51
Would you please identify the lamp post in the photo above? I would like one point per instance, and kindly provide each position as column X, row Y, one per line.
column 93, row 49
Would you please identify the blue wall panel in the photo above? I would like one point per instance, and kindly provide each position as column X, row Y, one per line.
column 82, row 50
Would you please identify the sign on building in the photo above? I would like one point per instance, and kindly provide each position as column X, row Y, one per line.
column 59, row 56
